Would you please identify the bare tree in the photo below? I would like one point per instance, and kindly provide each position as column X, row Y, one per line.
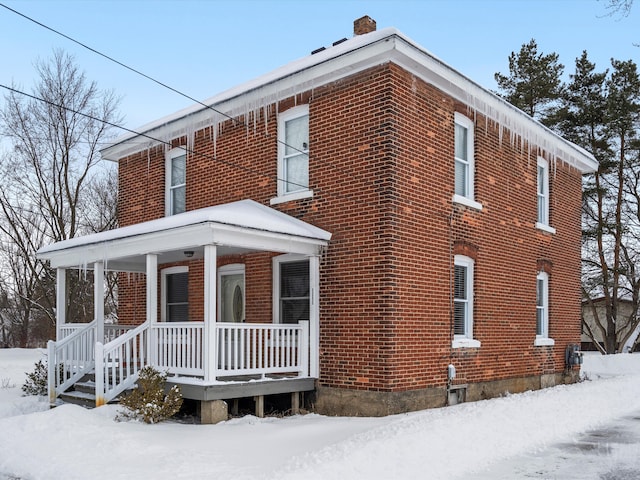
column 623, row 7
column 51, row 190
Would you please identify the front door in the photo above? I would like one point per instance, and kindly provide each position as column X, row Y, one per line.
column 231, row 304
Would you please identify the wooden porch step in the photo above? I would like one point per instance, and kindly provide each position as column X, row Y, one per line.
column 83, row 393
column 76, row 397
column 88, row 386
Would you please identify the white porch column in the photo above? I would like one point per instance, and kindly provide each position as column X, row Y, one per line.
column 152, row 307
column 210, row 332
column 61, row 300
column 314, row 316
column 98, row 299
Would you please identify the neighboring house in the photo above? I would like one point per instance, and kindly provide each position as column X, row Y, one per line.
column 594, row 317
column 365, row 224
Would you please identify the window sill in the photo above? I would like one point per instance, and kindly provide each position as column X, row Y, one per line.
column 467, row 202
column 544, row 342
column 545, row 228
column 465, row 343
column 291, row 196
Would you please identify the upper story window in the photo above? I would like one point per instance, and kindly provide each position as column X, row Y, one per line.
column 175, row 294
column 463, row 303
column 464, row 162
column 293, row 155
column 176, row 181
column 543, row 196
column 542, row 310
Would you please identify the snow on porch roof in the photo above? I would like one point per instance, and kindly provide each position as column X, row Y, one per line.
column 245, row 224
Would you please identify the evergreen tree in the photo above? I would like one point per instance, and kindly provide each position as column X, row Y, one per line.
column 533, row 83
column 600, row 112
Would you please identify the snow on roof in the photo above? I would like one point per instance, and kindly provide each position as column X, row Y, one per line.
column 280, row 73
column 252, row 98
column 244, row 214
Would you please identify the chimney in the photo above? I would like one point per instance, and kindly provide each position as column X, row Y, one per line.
column 364, row 25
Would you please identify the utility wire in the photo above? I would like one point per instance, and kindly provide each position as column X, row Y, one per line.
column 236, row 121
column 150, row 137
column 148, row 77
column 113, row 60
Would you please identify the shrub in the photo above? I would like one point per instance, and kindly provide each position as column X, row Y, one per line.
column 148, row 402
column 37, row 383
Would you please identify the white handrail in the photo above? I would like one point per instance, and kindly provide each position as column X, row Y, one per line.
column 111, row 330
column 119, row 362
column 70, row 359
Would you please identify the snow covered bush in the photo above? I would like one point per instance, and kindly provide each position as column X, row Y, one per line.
column 7, row 383
column 148, row 402
column 37, row 381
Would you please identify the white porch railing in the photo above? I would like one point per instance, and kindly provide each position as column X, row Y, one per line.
column 119, row 362
column 177, row 348
column 246, row 349
column 70, row 358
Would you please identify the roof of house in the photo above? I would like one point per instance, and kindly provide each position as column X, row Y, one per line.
column 339, row 61
column 235, row 227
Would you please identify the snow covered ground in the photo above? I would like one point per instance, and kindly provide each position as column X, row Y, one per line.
column 502, row 438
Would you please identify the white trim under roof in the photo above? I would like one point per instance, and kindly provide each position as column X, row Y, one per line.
column 342, row 60
column 237, row 227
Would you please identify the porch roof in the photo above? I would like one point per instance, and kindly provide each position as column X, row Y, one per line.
column 236, row 227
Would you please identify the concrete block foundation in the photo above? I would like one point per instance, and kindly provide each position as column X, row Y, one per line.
column 213, row 411
column 343, row 402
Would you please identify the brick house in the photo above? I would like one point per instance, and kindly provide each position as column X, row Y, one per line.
column 365, row 224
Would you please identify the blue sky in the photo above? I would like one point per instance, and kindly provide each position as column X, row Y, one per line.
column 205, row 47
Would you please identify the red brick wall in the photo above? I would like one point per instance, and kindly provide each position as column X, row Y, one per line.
column 381, row 168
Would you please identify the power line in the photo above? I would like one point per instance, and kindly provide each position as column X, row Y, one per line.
column 148, row 77
column 209, row 107
column 150, row 137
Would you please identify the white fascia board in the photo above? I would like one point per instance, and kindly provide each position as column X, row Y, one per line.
column 435, row 72
column 183, row 238
column 343, row 60
column 266, row 241
column 246, row 214
column 154, row 242
column 253, row 96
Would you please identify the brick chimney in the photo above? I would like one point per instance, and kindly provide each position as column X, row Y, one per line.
column 364, row 25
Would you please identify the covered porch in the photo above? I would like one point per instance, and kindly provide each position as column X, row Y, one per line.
column 211, row 359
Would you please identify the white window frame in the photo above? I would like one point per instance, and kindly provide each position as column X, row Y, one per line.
column 282, row 194
column 543, row 196
column 542, row 338
column 288, row 258
column 168, row 199
column 466, row 340
column 468, row 199
column 163, row 287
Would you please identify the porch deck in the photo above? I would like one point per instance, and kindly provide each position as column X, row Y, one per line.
column 230, row 388
column 241, row 360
